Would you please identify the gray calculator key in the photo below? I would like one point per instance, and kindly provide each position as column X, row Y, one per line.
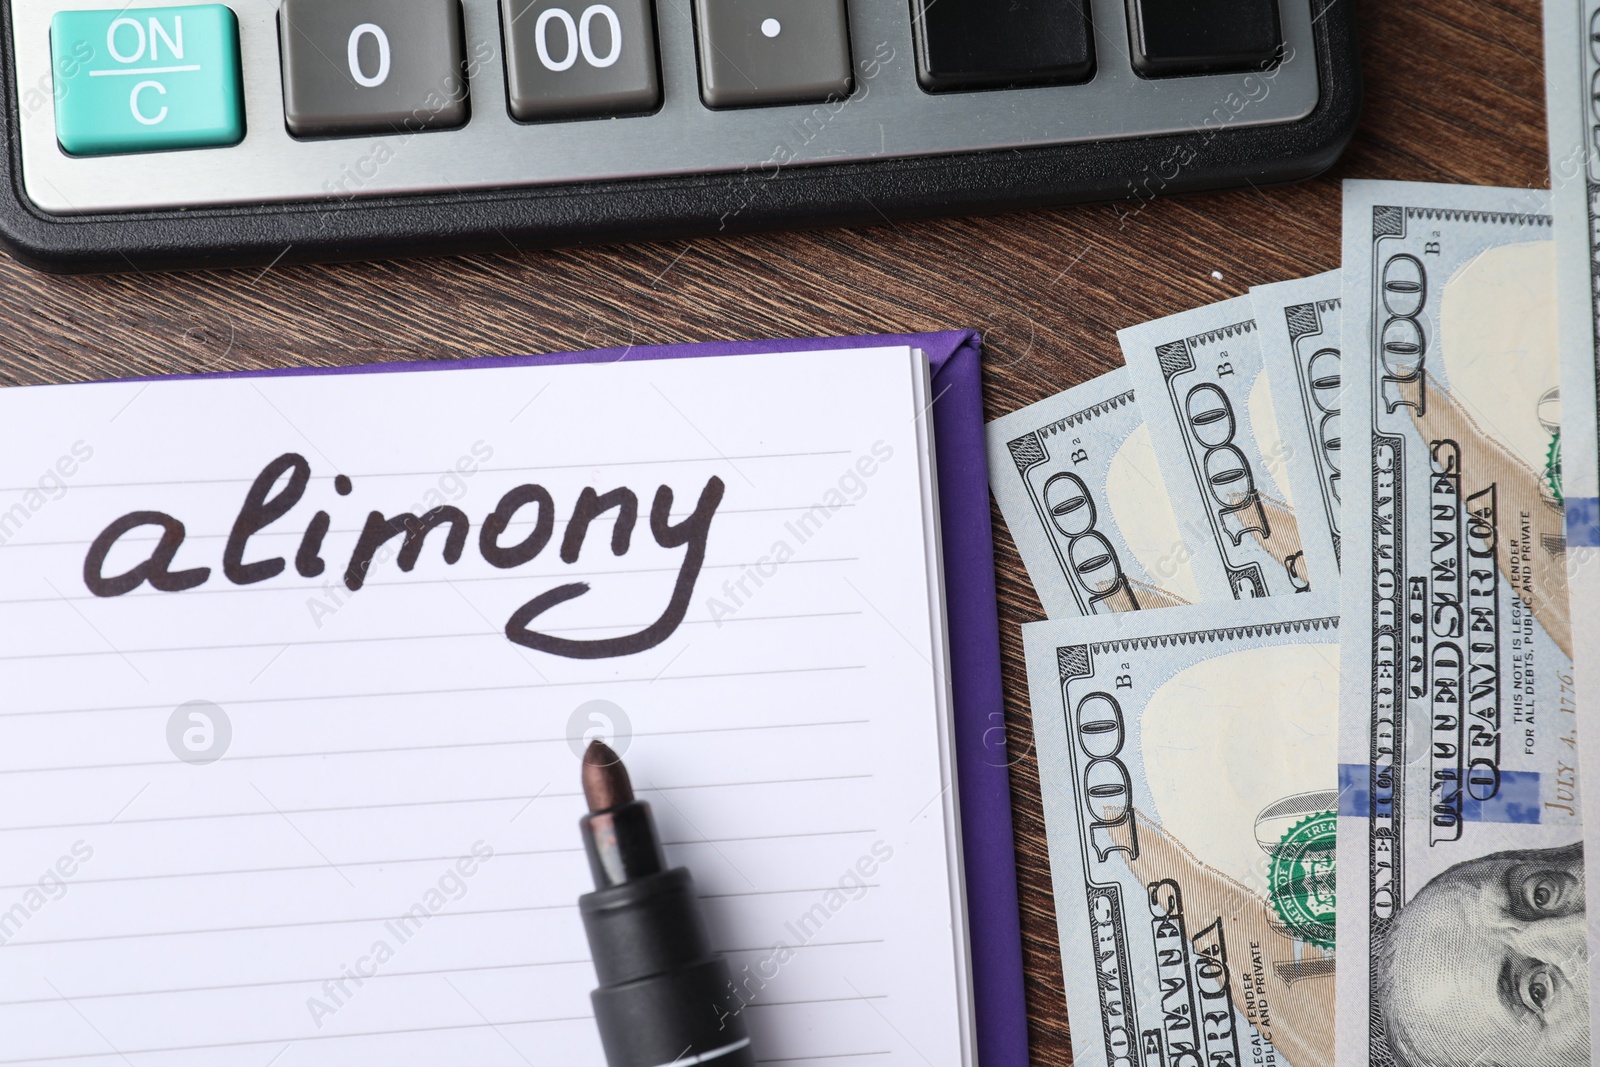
column 580, row 59
column 372, row 66
column 755, row 52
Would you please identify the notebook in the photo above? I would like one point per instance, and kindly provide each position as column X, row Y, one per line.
column 292, row 775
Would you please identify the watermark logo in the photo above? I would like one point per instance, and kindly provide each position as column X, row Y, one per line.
column 199, row 732
column 599, row 720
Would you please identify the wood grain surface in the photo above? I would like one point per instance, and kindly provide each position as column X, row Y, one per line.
column 1454, row 93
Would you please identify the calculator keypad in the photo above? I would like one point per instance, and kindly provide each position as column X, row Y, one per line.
column 580, row 60
column 372, row 66
column 143, row 79
column 718, row 91
column 757, row 52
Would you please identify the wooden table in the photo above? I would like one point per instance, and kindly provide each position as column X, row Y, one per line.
column 1454, row 93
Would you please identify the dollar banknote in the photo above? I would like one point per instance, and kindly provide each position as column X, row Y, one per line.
column 1299, row 322
column 1078, row 484
column 1188, row 766
column 1572, row 76
column 1204, row 392
column 1460, row 877
column 1572, row 73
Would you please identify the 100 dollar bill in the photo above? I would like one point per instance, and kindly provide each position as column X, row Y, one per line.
column 1300, row 324
column 1210, row 408
column 1461, row 893
column 1572, row 73
column 1077, row 482
column 1188, row 768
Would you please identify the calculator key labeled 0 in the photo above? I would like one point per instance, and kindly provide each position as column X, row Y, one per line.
column 580, row 60
column 145, row 79
column 371, row 66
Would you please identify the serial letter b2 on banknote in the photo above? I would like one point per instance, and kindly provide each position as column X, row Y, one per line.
column 1461, row 891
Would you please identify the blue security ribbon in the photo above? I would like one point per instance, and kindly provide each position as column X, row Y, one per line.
column 1583, row 521
column 1516, row 801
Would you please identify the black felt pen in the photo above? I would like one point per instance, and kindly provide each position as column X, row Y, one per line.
column 665, row 999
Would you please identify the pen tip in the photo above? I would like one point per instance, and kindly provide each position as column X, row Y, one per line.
column 605, row 779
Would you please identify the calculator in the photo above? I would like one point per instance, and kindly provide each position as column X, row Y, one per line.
column 262, row 131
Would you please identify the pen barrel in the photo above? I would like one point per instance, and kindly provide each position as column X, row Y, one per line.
column 664, row 996
column 640, row 929
column 683, row 1017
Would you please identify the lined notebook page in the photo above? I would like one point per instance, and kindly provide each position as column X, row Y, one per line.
column 383, row 864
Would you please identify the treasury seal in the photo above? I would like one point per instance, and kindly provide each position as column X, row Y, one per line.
column 1552, row 467
column 1301, row 880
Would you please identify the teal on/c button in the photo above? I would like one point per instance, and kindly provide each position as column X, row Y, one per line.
column 140, row 80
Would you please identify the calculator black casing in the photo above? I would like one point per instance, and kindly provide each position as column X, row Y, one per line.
column 844, row 194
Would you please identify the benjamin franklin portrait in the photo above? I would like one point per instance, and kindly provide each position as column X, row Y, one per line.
column 1487, row 966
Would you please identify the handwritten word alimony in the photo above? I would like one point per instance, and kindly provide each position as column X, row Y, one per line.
column 282, row 483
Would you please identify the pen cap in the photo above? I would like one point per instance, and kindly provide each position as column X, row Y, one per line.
column 644, row 928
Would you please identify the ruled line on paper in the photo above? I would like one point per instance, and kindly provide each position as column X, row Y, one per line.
column 440, row 472
column 810, row 1000
column 420, row 804
column 393, row 1033
column 409, row 581
column 826, row 1056
column 134, row 935
column 294, row 1040
column 524, row 965
column 20, row 943
column 440, row 747
column 445, row 692
column 123, row 994
column 499, row 635
column 394, row 861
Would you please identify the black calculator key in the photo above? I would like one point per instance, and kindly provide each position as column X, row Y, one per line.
column 755, row 52
column 580, row 59
column 990, row 44
column 1175, row 37
column 372, row 66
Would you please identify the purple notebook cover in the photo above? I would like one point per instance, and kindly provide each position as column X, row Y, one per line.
column 982, row 772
